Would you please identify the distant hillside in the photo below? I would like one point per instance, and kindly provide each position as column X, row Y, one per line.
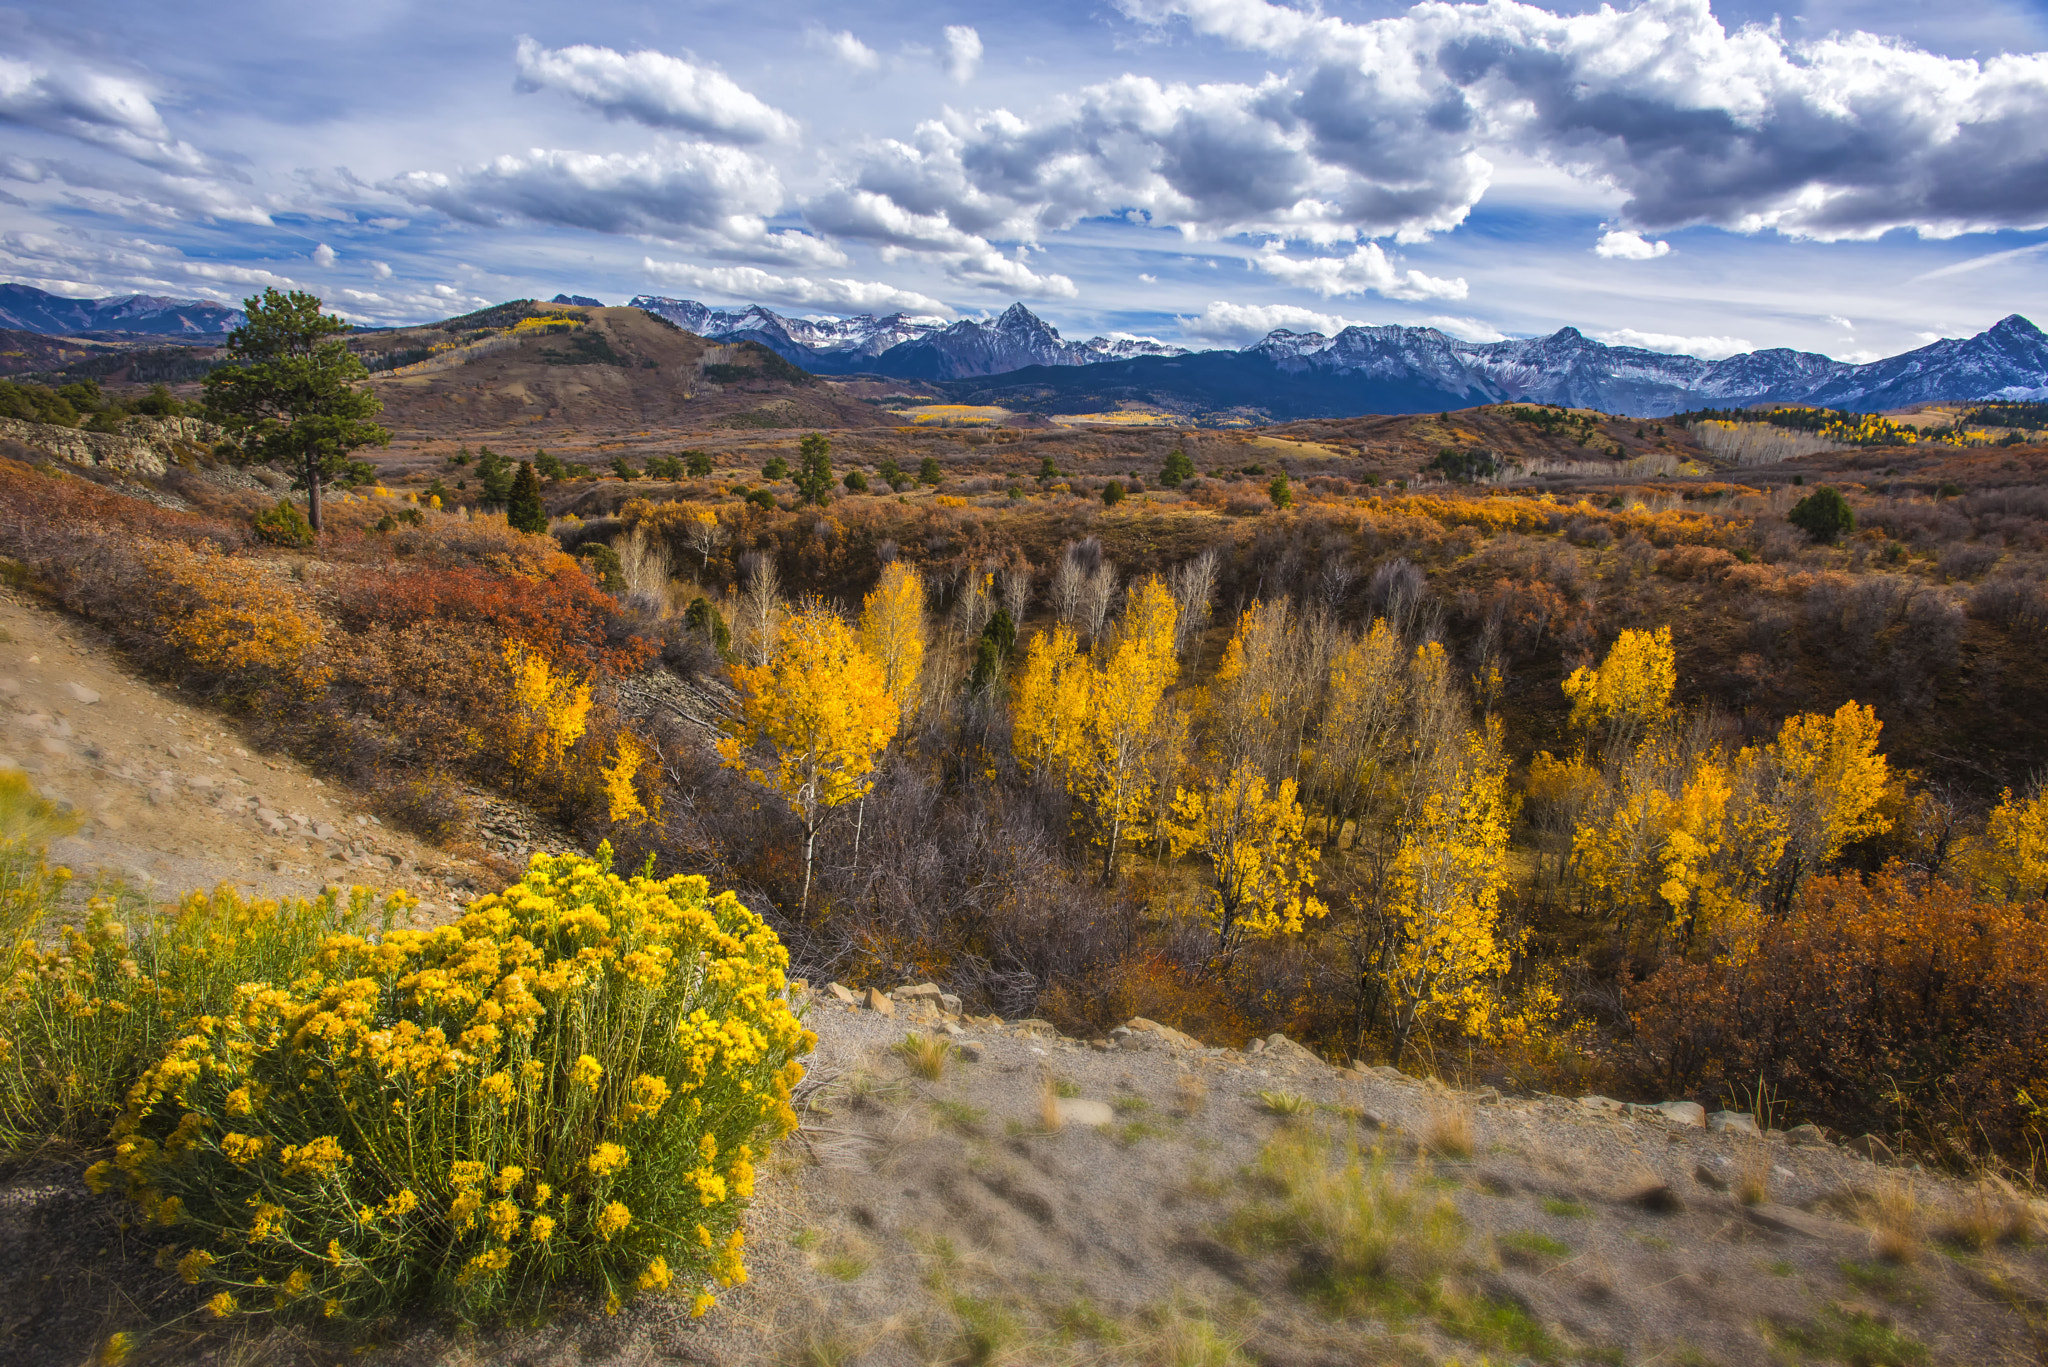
column 542, row 369
column 28, row 309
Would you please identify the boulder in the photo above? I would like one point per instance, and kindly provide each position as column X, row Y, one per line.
column 878, row 1003
column 1031, row 1025
column 1871, row 1147
column 1604, row 1105
column 1285, row 1050
column 1738, row 1122
column 1709, row 1176
column 1141, row 1026
column 949, row 1003
column 1808, row 1135
column 841, row 992
column 1075, row 1111
column 920, row 990
column 1683, row 1112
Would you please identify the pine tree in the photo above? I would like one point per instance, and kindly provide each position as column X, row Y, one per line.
column 1177, row 471
column 814, row 473
column 523, row 507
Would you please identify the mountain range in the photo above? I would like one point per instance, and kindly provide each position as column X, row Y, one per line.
column 27, row 309
column 1020, row 362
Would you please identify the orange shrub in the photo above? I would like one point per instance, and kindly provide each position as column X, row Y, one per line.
column 232, row 615
column 1897, row 1004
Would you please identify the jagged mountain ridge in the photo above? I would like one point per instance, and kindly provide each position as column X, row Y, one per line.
column 903, row 346
column 28, row 309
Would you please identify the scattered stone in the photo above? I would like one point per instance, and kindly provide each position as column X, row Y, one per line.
column 1683, row 1112
column 1606, row 1105
column 1741, row 1122
column 843, row 993
column 949, row 1003
column 50, row 745
column 1387, row 1071
column 1286, row 1050
column 955, row 1031
column 905, row 994
column 323, row 831
column 880, row 1004
column 80, row 693
column 1140, row 1025
column 1488, row 1096
column 970, row 1052
column 1257, row 1046
column 1807, row 1135
column 1075, row 1111
column 1707, row 1176
column 1031, row 1025
column 1101, row 1046
column 1871, row 1147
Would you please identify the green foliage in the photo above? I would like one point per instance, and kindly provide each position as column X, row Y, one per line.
column 159, row 402
column 2031, row 415
column 1852, row 1336
column 523, row 508
column 436, row 489
column 928, row 472
column 664, row 467
column 1823, row 514
column 1112, row 493
column 1177, row 471
column 284, row 525
column 36, row 403
column 697, row 464
column 494, row 476
column 291, row 394
column 1462, row 467
column 548, row 466
column 604, row 562
column 703, row 618
column 891, row 473
column 763, row 499
column 1047, row 471
column 776, row 468
column 623, row 468
column 992, row 650
column 814, row 478
column 1280, row 491
column 856, row 482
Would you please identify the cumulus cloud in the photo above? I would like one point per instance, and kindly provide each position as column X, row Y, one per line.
column 845, row 47
column 1465, row 329
column 967, row 257
column 654, row 89
column 753, row 284
column 1706, row 348
column 1847, row 136
column 323, row 255
column 380, row 269
column 1365, row 270
column 92, row 106
column 963, row 53
column 1622, row 245
column 1238, row 324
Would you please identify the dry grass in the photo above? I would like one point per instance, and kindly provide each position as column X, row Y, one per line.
column 1896, row 1220
column 1753, row 1174
column 1448, row 1132
column 925, row 1055
column 1991, row 1213
column 1049, row 1118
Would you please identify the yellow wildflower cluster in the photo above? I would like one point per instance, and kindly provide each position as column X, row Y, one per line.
column 550, row 1088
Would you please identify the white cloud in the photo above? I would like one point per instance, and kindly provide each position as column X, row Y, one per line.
column 323, row 255
column 1366, row 270
column 1148, row 279
column 963, row 53
column 654, row 89
column 1238, row 324
column 844, row 47
column 1846, row 136
column 381, row 270
column 1627, row 246
column 968, row 258
column 92, row 106
column 1466, row 329
column 755, row 285
column 1706, row 348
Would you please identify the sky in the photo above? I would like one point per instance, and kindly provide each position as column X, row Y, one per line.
column 1854, row 177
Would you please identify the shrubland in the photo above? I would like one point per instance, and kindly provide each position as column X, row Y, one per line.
column 1570, row 786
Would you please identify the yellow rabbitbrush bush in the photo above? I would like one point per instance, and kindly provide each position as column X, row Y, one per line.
column 567, row 1084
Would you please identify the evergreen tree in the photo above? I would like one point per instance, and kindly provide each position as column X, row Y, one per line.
column 928, row 472
column 1823, row 514
column 1280, row 492
column 1177, row 471
column 494, row 478
column 814, row 479
column 523, row 508
column 698, row 463
column 289, row 394
column 776, row 468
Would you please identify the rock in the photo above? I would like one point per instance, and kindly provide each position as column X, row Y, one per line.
column 1871, row 1147
column 1120, row 1033
column 1074, row 1111
column 1707, row 1176
column 955, row 1031
column 1682, row 1112
column 1257, row 1046
column 50, row 745
column 1031, row 1025
column 904, row 994
column 843, row 993
column 1605, row 1105
column 1807, row 1135
column 1740, row 1122
column 878, row 1003
column 949, row 1003
column 1141, row 1026
column 323, row 831
column 1387, row 1071
column 80, row 693
column 1287, row 1051
column 1487, row 1096
column 970, row 1052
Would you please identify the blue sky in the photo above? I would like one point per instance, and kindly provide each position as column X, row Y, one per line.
column 1848, row 177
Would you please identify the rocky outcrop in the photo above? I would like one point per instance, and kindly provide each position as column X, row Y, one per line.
column 143, row 447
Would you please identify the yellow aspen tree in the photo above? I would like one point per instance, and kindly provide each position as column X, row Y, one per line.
column 549, row 711
column 1111, row 773
column 1449, row 952
column 1050, row 699
column 622, row 794
column 2019, row 843
column 1256, row 842
column 1259, row 696
column 813, row 719
column 1366, row 701
column 892, row 631
column 1831, row 783
column 1630, row 690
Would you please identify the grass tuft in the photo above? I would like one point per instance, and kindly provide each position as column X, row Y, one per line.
column 1286, row 1104
column 926, row 1055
